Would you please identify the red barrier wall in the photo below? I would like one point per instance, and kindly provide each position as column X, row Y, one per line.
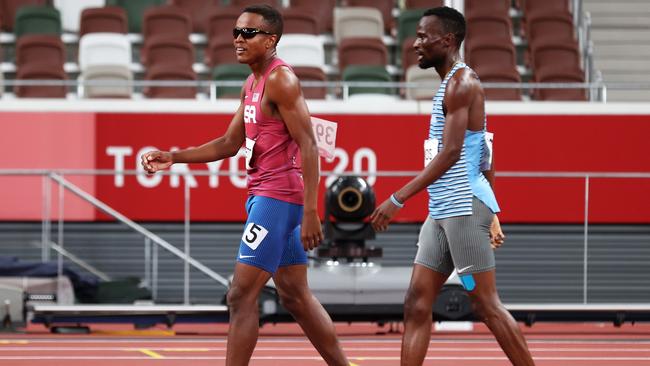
column 523, row 143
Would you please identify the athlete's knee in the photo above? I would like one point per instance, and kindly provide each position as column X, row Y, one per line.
column 487, row 308
column 237, row 298
column 294, row 302
column 417, row 305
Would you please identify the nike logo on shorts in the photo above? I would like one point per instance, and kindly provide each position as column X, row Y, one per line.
column 464, row 269
column 246, row 256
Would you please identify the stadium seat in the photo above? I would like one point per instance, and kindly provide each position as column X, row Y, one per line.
column 300, row 20
column 170, row 72
column 198, row 11
column 487, row 7
column 241, row 4
column 423, row 4
column 323, row 10
column 545, row 27
column 307, row 74
column 565, row 55
column 489, row 25
column 384, row 6
column 221, row 51
column 407, row 23
column 105, row 57
column 135, row 11
column 534, row 7
column 107, row 73
column 357, row 22
column 71, row 12
column 32, row 48
column 110, row 19
column 37, row 20
column 169, row 21
column 221, row 21
column 362, row 51
column 101, row 49
column 40, row 71
column 414, row 74
column 302, row 50
column 491, row 54
column 9, row 8
column 356, row 73
column 554, row 74
column 165, row 50
column 497, row 74
column 230, row 72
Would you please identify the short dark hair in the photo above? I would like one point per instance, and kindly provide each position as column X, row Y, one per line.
column 272, row 18
column 452, row 21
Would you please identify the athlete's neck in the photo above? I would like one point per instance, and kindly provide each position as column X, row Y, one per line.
column 259, row 67
column 447, row 64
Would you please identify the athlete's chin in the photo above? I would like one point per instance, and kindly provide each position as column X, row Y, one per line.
column 424, row 64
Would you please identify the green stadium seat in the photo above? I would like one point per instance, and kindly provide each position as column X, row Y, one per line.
column 226, row 72
column 135, row 11
column 407, row 22
column 37, row 20
column 367, row 73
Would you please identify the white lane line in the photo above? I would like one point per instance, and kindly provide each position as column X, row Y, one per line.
column 306, row 341
column 318, row 358
column 350, row 349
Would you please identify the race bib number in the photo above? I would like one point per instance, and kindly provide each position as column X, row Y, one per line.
column 486, row 158
column 249, row 114
column 253, row 235
column 248, row 151
column 325, row 132
column 430, row 150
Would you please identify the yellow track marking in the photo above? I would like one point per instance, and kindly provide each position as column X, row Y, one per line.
column 151, row 353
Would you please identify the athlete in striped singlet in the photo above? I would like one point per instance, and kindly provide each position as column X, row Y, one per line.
column 273, row 125
column 461, row 228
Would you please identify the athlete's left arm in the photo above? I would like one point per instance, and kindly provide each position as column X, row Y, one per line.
column 461, row 91
column 283, row 89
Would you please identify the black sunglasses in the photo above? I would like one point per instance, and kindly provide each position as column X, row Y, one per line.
column 247, row 33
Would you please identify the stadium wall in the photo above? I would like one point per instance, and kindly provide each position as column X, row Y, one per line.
column 385, row 136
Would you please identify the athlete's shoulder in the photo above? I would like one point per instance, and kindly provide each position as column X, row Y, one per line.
column 464, row 85
column 282, row 82
column 282, row 74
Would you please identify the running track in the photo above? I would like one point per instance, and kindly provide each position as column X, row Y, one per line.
column 365, row 344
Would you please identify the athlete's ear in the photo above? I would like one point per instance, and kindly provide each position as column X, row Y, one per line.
column 271, row 41
column 449, row 40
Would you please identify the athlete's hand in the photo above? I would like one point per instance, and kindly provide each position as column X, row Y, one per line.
column 496, row 235
column 383, row 214
column 154, row 161
column 311, row 232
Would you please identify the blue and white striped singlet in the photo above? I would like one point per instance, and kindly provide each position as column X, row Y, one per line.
column 451, row 195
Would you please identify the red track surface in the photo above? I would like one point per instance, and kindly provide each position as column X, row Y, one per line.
column 365, row 344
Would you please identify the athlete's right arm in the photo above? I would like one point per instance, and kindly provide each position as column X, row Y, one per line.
column 217, row 149
column 497, row 237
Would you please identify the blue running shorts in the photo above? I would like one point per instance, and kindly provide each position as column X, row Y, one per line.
column 271, row 234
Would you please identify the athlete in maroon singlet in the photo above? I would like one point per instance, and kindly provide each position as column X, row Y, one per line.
column 275, row 167
column 273, row 124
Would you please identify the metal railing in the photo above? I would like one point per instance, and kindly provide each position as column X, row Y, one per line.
column 151, row 251
column 596, row 88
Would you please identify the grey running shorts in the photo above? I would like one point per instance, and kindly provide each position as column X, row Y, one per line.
column 462, row 242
